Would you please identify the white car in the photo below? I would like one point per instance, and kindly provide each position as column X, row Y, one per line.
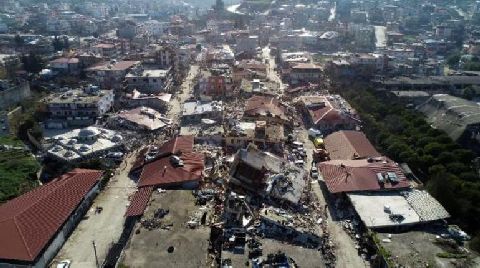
column 64, row 264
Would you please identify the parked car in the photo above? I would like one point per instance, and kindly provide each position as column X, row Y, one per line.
column 314, row 172
column 64, row 264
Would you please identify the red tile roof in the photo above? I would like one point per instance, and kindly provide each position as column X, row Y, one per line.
column 309, row 66
column 321, row 109
column 349, row 144
column 263, row 105
column 179, row 144
column 139, row 201
column 359, row 175
column 65, row 60
column 161, row 172
column 30, row 221
column 118, row 66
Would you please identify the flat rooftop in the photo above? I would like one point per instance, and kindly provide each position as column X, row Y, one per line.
column 156, row 73
column 77, row 96
column 194, row 107
column 414, row 206
column 371, row 209
column 73, row 145
column 149, row 248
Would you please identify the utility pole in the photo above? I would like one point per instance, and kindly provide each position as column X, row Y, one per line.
column 95, row 252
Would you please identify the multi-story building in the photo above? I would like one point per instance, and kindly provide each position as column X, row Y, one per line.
column 12, row 93
column 78, row 107
column 149, row 81
column 106, row 50
column 165, row 56
column 111, row 74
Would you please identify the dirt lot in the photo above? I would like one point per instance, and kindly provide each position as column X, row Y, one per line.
column 148, row 248
column 303, row 257
column 416, row 248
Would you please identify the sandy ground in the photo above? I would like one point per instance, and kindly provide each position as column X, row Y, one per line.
column 303, row 257
column 416, row 249
column 149, row 248
column 103, row 228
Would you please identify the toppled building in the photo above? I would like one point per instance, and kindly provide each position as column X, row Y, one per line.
column 265, row 174
column 136, row 99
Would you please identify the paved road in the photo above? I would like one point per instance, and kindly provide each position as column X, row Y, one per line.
column 106, row 227
column 103, row 228
column 380, row 36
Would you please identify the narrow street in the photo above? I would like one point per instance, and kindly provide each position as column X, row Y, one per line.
column 186, row 88
column 103, row 228
column 347, row 254
column 272, row 75
column 114, row 201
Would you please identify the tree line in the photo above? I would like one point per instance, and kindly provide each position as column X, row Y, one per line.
column 447, row 169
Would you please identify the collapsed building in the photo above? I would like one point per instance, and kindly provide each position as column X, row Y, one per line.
column 267, row 175
column 141, row 118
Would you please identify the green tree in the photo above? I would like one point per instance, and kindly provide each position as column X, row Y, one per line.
column 18, row 40
column 440, row 187
column 57, row 44
column 32, row 63
column 454, row 58
column 468, row 93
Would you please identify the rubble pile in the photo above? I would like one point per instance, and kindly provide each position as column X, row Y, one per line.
column 156, row 221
